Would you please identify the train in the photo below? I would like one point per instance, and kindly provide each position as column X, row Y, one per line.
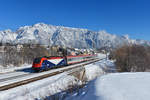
column 46, row 63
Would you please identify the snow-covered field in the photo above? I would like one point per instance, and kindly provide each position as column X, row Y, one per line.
column 39, row 89
column 13, row 68
column 124, row 86
column 117, row 86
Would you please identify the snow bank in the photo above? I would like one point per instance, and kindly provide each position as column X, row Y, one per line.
column 117, row 86
column 124, row 86
column 100, row 55
column 99, row 68
column 40, row 89
column 92, row 71
column 13, row 68
column 88, row 92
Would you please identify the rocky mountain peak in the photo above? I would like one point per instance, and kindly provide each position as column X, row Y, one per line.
column 66, row 36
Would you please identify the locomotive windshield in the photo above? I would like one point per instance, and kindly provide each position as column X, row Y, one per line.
column 37, row 60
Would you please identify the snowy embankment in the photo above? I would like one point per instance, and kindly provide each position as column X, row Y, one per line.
column 12, row 68
column 99, row 68
column 117, row 86
column 124, row 86
column 55, row 84
column 39, row 89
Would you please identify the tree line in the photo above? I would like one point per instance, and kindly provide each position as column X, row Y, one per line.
column 131, row 58
column 26, row 54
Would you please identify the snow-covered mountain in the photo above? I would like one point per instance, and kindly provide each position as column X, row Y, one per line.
column 65, row 36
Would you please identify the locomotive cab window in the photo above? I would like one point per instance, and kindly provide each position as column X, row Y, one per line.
column 37, row 60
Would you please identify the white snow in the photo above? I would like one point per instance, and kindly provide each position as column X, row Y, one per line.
column 13, row 68
column 124, row 86
column 39, row 89
column 92, row 71
column 117, row 86
column 11, row 74
column 99, row 68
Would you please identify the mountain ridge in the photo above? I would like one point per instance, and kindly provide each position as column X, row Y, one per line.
column 41, row 33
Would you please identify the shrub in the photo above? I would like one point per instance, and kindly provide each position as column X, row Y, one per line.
column 133, row 58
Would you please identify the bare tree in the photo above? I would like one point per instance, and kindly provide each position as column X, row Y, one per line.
column 132, row 58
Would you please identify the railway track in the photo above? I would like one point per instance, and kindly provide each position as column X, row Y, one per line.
column 7, row 83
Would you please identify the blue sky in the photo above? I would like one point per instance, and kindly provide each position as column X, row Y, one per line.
column 115, row 16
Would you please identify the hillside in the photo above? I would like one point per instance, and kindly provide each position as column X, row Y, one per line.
column 71, row 37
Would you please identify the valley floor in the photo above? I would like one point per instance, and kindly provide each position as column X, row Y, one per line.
column 116, row 86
